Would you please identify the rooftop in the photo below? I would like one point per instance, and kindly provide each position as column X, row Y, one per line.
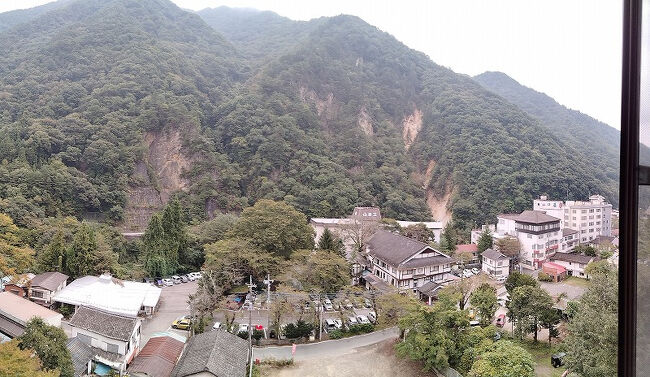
column 107, row 324
column 109, row 294
column 21, row 280
column 427, row 261
column 467, row 248
column 81, row 353
column 393, row 248
column 429, row 289
column 49, row 280
column 555, row 266
column 158, row 357
column 21, row 310
column 218, row 352
column 571, row 257
column 493, row 255
column 535, row 217
column 568, row 232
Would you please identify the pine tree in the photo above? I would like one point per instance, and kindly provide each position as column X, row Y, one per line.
column 53, row 257
column 485, row 241
column 448, row 238
column 80, row 258
column 326, row 241
column 155, row 255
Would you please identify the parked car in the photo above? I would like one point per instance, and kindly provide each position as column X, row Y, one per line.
column 367, row 303
column 158, row 281
column 372, row 317
column 363, row 320
column 338, row 324
column 557, row 360
column 501, row 320
column 474, row 323
column 475, row 271
column 182, row 323
column 347, row 304
column 167, row 282
column 184, row 278
column 501, row 278
column 217, row 326
column 352, row 321
column 467, row 273
column 176, row 279
column 328, row 307
column 329, row 325
column 190, row 277
column 242, row 327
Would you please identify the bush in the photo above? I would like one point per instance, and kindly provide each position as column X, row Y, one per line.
column 243, row 334
column 360, row 329
column 67, row 310
column 336, row 334
column 543, row 276
column 298, row 330
column 278, row 363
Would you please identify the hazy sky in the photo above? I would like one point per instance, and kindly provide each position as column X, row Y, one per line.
column 568, row 49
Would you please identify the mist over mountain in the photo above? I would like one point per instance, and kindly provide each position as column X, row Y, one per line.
column 109, row 108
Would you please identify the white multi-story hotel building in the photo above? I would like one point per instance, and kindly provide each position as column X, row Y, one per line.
column 590, row 219
column 539, row 235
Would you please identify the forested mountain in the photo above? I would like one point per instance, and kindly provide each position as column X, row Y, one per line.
column 257, row 34
column 109, row 108
column 19, row 16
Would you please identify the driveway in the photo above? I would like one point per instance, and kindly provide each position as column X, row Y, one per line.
column 573, row 292
column 375, row 360
column 328, row 348
column 173, row 304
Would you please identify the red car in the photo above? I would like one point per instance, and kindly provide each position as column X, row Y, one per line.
column 501, row 320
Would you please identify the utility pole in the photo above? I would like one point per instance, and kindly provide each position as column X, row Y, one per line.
column 250, row 330
column 268, row 283
column 320, row 318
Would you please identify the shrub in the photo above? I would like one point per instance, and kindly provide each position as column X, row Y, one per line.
column 298, row 330
column 243, row 334
column 360, row 329
column 336, row 334
column 543, row 276
column 67, row 310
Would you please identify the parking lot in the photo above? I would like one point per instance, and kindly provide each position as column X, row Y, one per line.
column 173, row 304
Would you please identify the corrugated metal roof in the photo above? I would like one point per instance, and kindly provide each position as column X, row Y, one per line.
column 158, row 357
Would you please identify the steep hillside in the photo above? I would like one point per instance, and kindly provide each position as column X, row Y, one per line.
column 474, row 153
column 17, row 17
column 81, row 87
column 257, row 34
column 111, row 107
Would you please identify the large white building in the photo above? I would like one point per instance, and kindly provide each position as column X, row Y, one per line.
column 590, row 219
column 111, row 295
column 539, row 235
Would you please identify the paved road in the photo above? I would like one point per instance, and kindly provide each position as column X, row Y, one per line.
column 173, row 304
column 328, row 348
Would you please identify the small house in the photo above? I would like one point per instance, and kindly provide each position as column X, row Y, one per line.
column 44, row 286
column 495, row 263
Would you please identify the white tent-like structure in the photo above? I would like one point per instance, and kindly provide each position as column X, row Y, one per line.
column 128, row 298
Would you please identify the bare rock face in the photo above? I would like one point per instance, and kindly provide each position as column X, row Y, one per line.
column 365, row 121
column 439, row 206
column 411, row 126
column 156, row 177
column 327, row 109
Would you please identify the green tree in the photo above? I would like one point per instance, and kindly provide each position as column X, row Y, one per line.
column 49, row 343
column 165, row 242
column 53, row 257
column 155, row 257
column 81, row 256
column 238, row 259
column 329, row 242
column 517, row 279
column 484, row 299
column 275, row 227
column 503, row 359
column 418, row 232
column 17, row 362
column 448, row 238
column 526, row 307
column 510, row 247
column 15, row 255
column 586, row 250
column 550, row 319
column 318, row 271
column 484, row 241
column 432, row 336
column 592, row 340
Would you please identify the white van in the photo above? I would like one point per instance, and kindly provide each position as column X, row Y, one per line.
column 176, row 279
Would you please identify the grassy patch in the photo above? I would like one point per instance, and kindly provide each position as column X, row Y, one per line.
column 541, row 353
column 239, row 289
column 577, row 282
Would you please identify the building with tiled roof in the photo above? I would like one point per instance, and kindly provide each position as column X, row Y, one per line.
column 213, row 353
column 406, row 263
column 118, row 336
column 44, row 286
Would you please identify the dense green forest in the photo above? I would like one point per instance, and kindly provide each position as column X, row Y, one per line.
column 325, row 115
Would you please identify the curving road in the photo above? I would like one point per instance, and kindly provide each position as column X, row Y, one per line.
column 327, row 348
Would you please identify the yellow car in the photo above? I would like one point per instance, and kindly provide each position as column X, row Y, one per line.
column 182, row 323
